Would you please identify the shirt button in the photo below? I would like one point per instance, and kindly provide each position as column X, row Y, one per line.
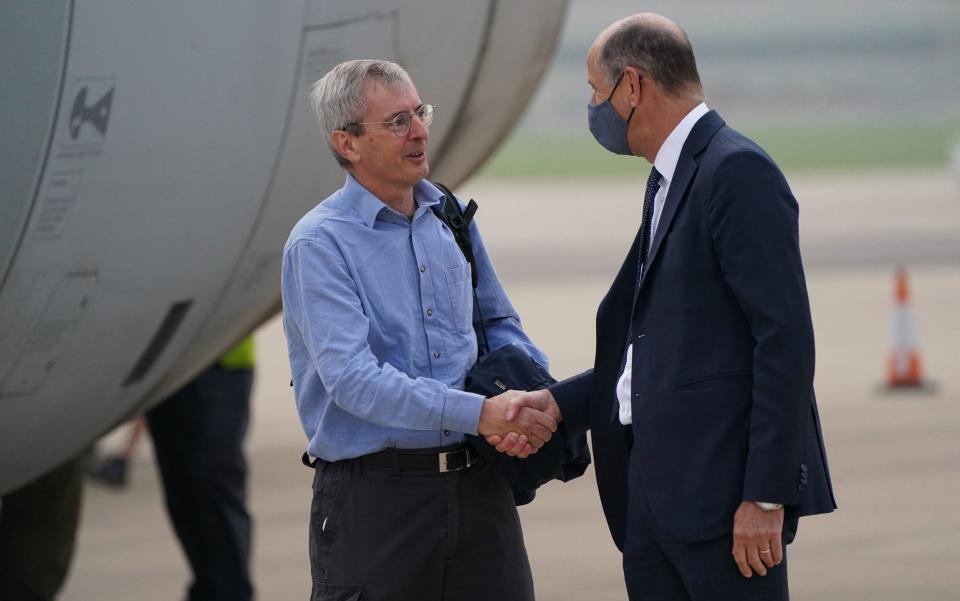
column 422, row 269
column 446, row 432
column 436, row 355
column 429, row 312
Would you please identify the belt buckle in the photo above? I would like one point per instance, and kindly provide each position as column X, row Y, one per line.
column 443, row 458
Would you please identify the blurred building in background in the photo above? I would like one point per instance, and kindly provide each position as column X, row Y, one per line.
column 819, row 83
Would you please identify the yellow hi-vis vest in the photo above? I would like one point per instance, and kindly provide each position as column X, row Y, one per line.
column 240, row 356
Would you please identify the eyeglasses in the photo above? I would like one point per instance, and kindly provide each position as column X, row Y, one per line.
column 400, row 124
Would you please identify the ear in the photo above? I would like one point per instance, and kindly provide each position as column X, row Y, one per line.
column 345, row 144
column 633, row 77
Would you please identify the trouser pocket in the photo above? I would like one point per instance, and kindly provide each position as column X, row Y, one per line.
column 329, row 485
column 328, row 592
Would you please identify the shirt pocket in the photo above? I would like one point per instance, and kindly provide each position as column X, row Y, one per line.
column 460, row 287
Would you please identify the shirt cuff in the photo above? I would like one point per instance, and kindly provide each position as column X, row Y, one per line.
column 461, row 411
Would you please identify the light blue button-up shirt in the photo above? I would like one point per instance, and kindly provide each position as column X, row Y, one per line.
column 379, row 318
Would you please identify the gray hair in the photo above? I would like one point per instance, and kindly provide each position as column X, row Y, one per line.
column 663, row 54
column 337, row 97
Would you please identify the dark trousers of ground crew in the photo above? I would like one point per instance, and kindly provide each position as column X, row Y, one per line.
column 198, row 435
column 380, row 534
column 38, row 530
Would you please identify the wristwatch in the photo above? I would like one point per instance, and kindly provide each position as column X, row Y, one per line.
column 768, row 506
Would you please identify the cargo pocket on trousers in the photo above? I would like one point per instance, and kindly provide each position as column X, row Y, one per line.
column 332, row 592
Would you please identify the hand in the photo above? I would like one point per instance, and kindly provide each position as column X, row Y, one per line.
column 756, row 539
column 513, row 444
column 532, row 427
column 541, row 400
column 537, row 400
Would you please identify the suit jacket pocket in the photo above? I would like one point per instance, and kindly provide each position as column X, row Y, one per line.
column 715, row 380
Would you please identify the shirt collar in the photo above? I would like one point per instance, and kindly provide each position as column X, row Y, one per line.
column 669, row 153
column 369, row 206
column 426, row 194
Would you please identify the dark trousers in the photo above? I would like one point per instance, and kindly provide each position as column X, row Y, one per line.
column 658, row 567
column 198, row 436
column 380, row 534
column 38, row 530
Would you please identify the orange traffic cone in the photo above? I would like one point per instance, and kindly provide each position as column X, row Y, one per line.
column 903, row 368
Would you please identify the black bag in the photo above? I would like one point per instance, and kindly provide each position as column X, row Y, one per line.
column 506, row 368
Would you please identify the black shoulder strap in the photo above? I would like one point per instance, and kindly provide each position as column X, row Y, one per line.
column 459, row 224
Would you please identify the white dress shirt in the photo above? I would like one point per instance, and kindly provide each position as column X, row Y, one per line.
column 666, row 164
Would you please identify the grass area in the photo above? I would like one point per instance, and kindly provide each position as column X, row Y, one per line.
column 843, row 146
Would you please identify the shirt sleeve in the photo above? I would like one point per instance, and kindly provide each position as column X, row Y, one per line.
column 321, row 298
column 500, row 320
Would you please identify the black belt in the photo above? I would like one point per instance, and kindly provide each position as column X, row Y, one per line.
column 442, row 460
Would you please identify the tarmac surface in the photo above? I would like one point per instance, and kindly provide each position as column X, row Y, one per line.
column 894, row 457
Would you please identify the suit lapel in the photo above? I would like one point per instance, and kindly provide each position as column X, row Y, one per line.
column 687, row 165
column 682, row 176
column 613, row 331
column 623, row 289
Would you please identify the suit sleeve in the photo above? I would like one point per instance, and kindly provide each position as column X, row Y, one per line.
column 573, row 398
column 753, row 220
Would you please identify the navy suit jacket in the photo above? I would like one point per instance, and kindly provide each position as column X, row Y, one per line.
column 723, row 354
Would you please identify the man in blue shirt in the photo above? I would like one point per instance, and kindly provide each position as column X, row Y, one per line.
column 379, row 319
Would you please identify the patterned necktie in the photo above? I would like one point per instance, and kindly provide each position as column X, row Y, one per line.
column 653, row 185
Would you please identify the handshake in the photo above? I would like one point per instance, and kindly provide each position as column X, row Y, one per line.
column 519, row 423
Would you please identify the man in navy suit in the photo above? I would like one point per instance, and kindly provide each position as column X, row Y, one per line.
column 705, row 429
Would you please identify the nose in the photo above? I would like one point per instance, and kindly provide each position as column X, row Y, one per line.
column 418, row 129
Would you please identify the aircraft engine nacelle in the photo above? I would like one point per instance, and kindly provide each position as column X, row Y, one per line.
column 153, row 158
